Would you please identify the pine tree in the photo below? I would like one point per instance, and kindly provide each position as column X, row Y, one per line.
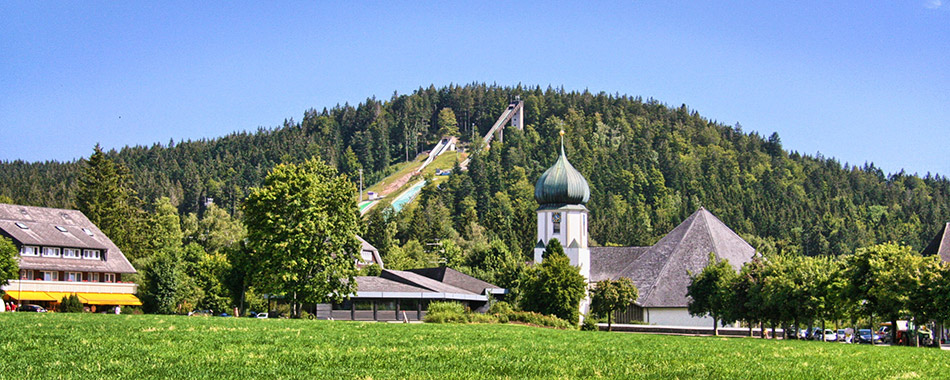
column 106, row 197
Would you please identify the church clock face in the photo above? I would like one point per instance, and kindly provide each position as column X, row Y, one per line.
column 556, row 217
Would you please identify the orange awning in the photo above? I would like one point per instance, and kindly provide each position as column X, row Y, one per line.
column 30, row 296
column 109, row 299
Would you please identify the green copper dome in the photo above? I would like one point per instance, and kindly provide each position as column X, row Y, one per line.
column 561, row 184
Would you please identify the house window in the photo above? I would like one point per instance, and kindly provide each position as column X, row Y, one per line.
column 29, row 250
column 50, row 252
column 87, row 231
column 556, row 220
column 26, row 274
column 71, row 253
column 110, row 277
column 22, row 226
column 50, row 276
column 73, row 276
column 94, row 277
column 90, row 254
column 61, row 228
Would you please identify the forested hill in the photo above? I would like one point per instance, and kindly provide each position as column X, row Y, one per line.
column 649, row 166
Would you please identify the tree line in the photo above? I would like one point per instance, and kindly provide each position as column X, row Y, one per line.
column 884, row 282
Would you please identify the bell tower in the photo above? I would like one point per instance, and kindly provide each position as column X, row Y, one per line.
column 561, row 193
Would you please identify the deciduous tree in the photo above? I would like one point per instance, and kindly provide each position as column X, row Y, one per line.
column 302, row 225
column 609, row 296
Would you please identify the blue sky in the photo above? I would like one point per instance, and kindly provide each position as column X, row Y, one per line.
column 856, row 80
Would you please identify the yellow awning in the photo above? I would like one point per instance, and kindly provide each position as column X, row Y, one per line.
column 58, row 296
column 109, row 299
column 30, row 296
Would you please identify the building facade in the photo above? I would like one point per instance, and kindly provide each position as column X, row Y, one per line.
column 61, row 253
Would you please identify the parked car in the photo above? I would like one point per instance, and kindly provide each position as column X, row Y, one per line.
column 32, row 308
column 864, row 336
column 814, row 334
column 829, row 335
column 842, row 336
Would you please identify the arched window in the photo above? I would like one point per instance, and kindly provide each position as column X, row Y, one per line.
column 556, row 220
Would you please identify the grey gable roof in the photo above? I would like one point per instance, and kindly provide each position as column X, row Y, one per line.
column 661, row 274
column 940, row 245
column 455, row 278
column 41, row 223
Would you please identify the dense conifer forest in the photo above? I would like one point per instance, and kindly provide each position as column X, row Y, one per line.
column 649, row 166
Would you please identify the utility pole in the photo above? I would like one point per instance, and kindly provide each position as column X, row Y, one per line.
column 361, row 184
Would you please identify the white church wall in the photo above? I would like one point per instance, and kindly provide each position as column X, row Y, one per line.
column 674, row 316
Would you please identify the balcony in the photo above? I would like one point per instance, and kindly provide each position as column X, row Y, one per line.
column 71, row 287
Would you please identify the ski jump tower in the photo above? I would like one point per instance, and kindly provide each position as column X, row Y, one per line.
column 514, row 113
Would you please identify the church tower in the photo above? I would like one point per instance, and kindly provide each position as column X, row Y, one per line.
column 561, row 193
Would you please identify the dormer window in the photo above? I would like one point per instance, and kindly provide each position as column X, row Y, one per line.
column 29, row 250
column 92, row 254
column 71, row 253
column 61, row 228
column 50, row 252
column 87, row 231
column 21, row 225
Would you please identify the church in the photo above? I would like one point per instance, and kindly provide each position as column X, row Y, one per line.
column 660, row 272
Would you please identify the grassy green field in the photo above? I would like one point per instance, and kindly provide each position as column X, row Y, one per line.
column 147, row 346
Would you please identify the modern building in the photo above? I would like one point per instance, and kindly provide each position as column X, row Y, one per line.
column 660, row 272
column 61, row 252
column 397, row 295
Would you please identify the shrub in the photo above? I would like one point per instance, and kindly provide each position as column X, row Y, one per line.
column 590, row 323
column 481, row 318
column 70, row 304
column 500, row 307
column 446, row 307
column 446, row 312
column 539, row 319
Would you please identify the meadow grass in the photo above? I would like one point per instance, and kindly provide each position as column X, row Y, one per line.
column 151, row 346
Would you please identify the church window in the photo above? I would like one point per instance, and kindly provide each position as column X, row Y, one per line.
column 556, row 220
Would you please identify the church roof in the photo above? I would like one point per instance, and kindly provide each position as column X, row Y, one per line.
column 661, row 272
column 940, row 245
column 607, row 262
column 561, row 184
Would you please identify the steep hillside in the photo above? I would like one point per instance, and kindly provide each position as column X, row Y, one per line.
column 649, row 166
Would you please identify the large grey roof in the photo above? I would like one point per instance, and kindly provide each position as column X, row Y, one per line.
column 455, row 278
column 421, row 281
column 940, row 245
column 379, row 284
column 661, row 273
column 41, row 223
column 607, row 262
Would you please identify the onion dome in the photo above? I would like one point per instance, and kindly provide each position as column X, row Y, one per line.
column 561, row 184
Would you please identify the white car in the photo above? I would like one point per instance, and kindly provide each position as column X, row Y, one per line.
column 262, row 315
column 830, row 336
